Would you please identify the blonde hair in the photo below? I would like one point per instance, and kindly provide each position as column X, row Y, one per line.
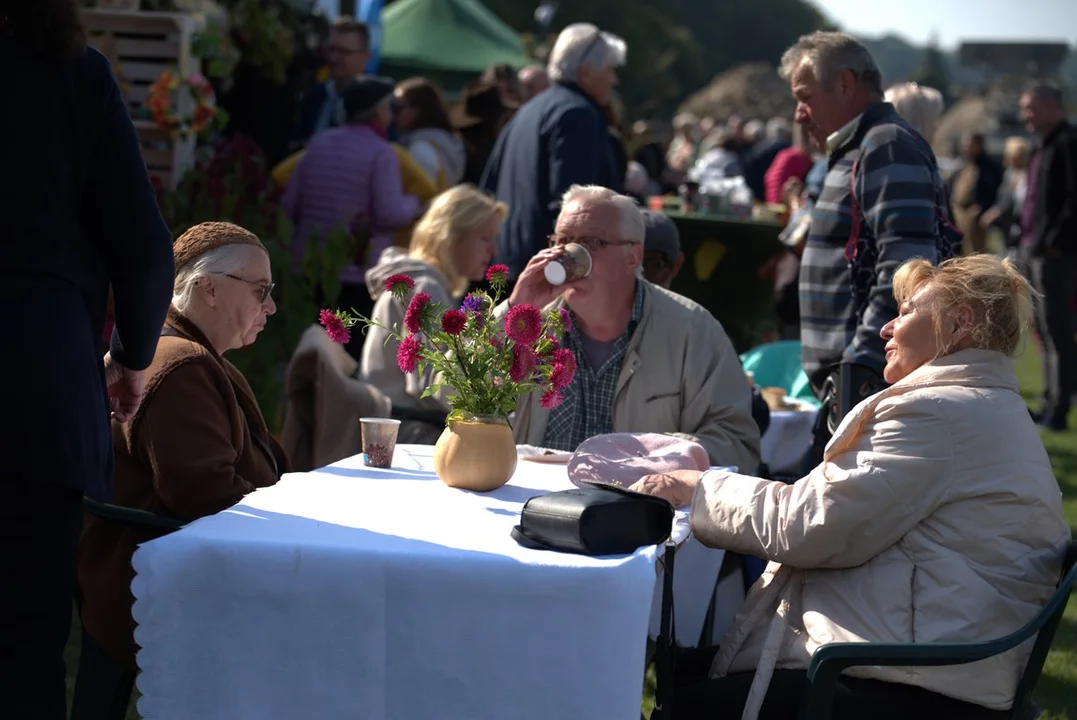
column 1016, row 151
column 920, row 106
column 995, row 291
column 452, row 214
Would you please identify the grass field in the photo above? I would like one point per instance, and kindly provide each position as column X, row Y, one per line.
column 1057, row 690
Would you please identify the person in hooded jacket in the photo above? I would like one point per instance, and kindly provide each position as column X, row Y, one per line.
column 421, row 117
column 451, row 247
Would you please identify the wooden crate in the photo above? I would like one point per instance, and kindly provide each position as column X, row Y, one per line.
column 140, row 46
column 166, row 158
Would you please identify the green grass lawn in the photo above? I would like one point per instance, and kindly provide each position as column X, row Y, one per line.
column 1057, row 690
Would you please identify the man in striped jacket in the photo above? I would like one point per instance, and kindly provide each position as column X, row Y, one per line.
column 882, row 203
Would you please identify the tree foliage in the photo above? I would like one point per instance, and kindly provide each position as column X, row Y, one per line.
column 933, row 70
column 676, row 46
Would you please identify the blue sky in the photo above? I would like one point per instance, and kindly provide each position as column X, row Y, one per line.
column 955, row 20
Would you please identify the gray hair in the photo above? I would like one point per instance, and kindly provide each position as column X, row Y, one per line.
column 226, row 260
column 632, row 227
column 828, row 54
column 919, row 105
column 583, row 44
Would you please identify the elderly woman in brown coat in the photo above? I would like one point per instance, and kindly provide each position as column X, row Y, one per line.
column 195, row 447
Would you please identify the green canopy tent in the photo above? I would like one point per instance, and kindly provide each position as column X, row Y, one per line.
column 449, row 41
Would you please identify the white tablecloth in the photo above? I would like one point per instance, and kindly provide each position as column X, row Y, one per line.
column 351, row 592
column 787, row 440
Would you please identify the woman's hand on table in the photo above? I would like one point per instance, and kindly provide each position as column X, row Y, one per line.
column 677, row 486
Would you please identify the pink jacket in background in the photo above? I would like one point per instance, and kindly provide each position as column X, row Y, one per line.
column 790, row 162
column 346, row 173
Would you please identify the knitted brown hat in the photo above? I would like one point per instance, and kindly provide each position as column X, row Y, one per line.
column 207, row 236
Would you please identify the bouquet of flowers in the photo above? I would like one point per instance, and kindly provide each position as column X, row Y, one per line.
column 484, row 364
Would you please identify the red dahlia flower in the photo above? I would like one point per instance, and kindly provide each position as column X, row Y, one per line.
column 524, row 324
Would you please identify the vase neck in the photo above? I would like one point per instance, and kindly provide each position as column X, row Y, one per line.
column 485, row 418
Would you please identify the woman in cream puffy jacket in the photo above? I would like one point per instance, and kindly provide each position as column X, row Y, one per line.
column 934, row 517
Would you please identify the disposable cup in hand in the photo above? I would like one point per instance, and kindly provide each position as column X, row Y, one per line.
column 574, row 264
column 379, row 441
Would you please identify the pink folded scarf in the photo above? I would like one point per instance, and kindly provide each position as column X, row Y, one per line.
column 623, row 458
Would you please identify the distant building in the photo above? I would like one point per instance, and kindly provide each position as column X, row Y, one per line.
column 1002, row 61
column 997, row 72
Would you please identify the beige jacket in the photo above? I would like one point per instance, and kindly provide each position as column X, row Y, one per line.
column 325, row 403
column 379, row 366
column 934, row 517
column 680, row 376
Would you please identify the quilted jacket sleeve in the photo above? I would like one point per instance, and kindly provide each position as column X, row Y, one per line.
column 848, row 509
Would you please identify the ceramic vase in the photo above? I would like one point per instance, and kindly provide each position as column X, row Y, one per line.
column 476, row 453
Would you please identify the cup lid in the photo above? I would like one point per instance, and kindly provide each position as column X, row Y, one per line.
column 555, row 273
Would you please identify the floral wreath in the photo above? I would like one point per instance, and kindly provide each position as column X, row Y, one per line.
column 160, row 96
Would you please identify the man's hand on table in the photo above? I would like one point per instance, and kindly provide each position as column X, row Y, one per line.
column 677, row 486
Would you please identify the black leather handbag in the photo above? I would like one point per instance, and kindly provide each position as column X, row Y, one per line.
column 595, row 520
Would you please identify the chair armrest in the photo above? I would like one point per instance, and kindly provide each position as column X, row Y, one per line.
column 847, row 655
column 131, row 516
column 829, row 661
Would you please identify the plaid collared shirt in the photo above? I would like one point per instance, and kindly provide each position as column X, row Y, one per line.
column 587, row 409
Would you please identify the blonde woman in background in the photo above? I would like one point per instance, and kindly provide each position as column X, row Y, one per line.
column 920, row 106
column 451, row 247
column 1006, row 213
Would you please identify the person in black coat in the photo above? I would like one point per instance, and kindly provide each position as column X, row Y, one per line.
column 77, row 214
column 1048, row 245
column 347, row 54
column 556, row 140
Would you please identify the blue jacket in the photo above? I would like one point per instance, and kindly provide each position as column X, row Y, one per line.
column 556, row 140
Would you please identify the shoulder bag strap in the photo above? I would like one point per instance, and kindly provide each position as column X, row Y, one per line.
column 854, row 215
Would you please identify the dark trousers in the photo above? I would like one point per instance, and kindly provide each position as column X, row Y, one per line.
column 104, row 686
column 854, row 699
column 1056, row 280
column 356, row 297
column 820, row 437
column 39, row 532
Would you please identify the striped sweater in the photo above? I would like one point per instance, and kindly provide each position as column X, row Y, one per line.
column 898, row 191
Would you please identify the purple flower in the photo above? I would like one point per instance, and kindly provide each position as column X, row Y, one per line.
column 473, row 303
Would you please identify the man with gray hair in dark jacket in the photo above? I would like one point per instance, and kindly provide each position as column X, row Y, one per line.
column 555, row 141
